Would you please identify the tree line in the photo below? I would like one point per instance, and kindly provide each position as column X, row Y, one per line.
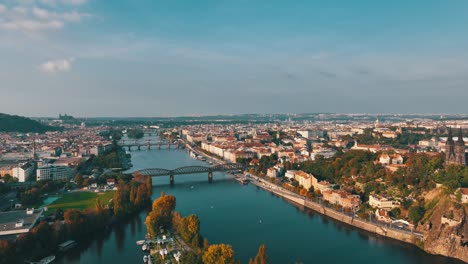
column 163, row 217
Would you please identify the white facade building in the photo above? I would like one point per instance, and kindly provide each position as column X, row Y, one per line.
column 50, row 172
column 23, row 171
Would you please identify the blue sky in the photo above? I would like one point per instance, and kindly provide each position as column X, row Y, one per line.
column 169, row 58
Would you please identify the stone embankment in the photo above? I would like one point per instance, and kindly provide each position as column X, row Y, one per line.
column 401, row 235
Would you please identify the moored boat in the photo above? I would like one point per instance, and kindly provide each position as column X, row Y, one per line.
column 145, row 247
column 47, row 260
column 140, row 242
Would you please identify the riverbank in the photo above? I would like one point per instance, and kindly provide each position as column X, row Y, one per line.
column 384, row 230
column 408, row 237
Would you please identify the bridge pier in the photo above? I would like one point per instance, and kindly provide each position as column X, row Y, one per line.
column 169, row 145
column 159, row 146
column 171, row 178
column 129, row 148
column 149, row 146
column 139, row 147
column 210, row 177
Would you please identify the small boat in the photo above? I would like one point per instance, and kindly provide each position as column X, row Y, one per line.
column 47, row 260
column 145, row 247
column 244, row 181
column 140, row 242
column 145, row 259
column 149, row 260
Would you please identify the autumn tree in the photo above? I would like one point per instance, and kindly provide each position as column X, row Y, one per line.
column 161, row 214
column 121, row 199
column 219, row 254
column 7, row 252
column 262, row 257
column 190, row 257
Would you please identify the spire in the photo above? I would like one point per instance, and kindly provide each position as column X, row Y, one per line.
column 460, row 137
column 450, row 139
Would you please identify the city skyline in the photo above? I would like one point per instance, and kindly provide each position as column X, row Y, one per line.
column 92, row 58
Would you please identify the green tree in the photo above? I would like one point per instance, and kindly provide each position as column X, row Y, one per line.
column 416, row 213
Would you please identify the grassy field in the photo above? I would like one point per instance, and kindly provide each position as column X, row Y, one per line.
column 80, row 200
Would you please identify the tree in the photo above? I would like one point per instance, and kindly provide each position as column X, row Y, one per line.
column 190, row 257
column 395, row 212
column 219, row 254
column 416, row 213
column 161, row 214
column 79, row 180
column 262, row 257
column 7, row 252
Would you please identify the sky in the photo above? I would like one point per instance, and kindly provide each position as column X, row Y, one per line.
column 149, row 58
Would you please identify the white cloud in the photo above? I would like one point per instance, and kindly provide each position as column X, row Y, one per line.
column 28, row 17
column 55, row 66
column 72, row 16
column 31, row 25
column 40, row 13
column 66, row 2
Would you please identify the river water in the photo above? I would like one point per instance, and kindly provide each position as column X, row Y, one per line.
column 245, row 217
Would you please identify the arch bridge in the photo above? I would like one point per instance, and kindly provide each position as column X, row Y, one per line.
column 157, row 172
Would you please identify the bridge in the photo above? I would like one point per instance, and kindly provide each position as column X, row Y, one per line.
column 157, row 172
column 148, row 144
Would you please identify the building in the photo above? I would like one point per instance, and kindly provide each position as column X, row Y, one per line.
column 381, row 202
column 23, row 172
column 8, row 170
column 18, row 222
column 51, row 172
column 464, row 195
column 304, row 179
column 342, row 198
column 455, row 151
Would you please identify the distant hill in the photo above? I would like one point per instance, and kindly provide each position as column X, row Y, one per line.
column 13, row 123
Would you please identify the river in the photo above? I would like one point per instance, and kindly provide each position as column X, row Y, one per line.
column 245, row 217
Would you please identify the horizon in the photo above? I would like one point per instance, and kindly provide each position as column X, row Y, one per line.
column 247, row 114
column 150, row 58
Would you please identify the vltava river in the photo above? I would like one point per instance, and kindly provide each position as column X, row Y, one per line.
column 245, row 217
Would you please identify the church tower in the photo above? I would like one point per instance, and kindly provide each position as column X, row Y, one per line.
column 455, row 151
column 460, row 149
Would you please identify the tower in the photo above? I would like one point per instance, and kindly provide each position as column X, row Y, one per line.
column 455, row 152
column 460, row 149
column 34, row 149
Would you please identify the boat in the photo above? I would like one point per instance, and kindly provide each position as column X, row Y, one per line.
column 145, row 259
column 66, row 245
column 244, row 181
column 145, row 247
column 140, row 242
column 47, row 260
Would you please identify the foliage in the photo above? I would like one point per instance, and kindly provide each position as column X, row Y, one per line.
column 13, row 123
column 219, row 254
column 262, row 257
column 190, row 257
column 188, row 228
column 416, row 213
column 161, row 214
column 135, row 133
column 130, row 196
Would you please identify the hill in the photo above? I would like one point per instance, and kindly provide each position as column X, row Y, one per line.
column 13, row 123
